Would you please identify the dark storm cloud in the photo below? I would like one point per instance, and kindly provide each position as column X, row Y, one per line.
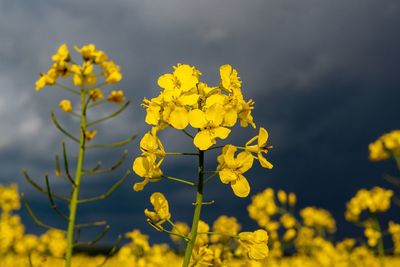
column 323, row 74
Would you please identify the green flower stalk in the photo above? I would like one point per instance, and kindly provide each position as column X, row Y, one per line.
column 88, row 87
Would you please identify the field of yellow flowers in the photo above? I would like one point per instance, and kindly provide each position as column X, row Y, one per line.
column 288, row 235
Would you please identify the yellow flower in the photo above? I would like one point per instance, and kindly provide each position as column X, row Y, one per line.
column 95, row 94
column 231, row 169
column 83, row 75
column 288, row 221
column 202, row 238
column 151, row 144
column 116, row 97
column 229, row 77
column 89, row 52
column 375, row 200
column 139, row 239
column 180, row 228
column 372, row 235
column 65, row 105
column 292, row 199
column 111, row 72
column 184, row 78
column 202, row 256
column 89, row 135
column 62, row 54
column 148, row 168
column 262, row 207
column 161, row 209
column 394, row 230
column 225, row 227
column 318, row 218
column 209, row 123
column 255, row 244
column 282, row 196
column 55, row 242
column 260, row 147
column 9, row 198
column 46, row 79
column 289, row 234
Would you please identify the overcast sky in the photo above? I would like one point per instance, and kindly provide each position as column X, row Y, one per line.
column 324, row 75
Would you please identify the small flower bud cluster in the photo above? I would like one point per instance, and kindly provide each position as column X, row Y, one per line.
column 385, row 146
column 375, row 200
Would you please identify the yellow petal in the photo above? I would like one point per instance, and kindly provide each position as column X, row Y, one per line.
column 225, row 73
column 227, row 176
column 262, row 137
column 141, row 166
column 230, row 117
column 241, row 187
column 189, row 100
column 179, row 118
column 215, row 99
column 139, row 186
column 197, row 118
column 203, row 140
column 221, row 132
column 264, row 162
column 166, row 81
column 245, row 159
column 215, row 114
column 258, row 251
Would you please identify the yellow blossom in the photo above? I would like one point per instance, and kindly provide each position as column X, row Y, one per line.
column 89, row 135
column 375, row 200
column 292, row 199
column 65, row 105
column 255, row 243
column 209, row 124
column 62, row 54
column 116, row 97
column 111, row 72
column 260, row 147
column 180, row 228
column 161, row 209
column 9, row 198
column 83, row 75
column 148, row 168
column 225, row 227
column 231, row 169
column 282, row 196
column 95, row 94
column 151, row 144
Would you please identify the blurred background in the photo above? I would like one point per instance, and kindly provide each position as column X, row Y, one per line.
column 324, row 76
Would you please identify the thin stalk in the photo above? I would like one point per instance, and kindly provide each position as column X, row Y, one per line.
column 112, row 115
column 197, row 211
column 181, row 153
column 178, row 180
column 75, row 193
column 69, row 89
column 116, row 144
column 381, row 249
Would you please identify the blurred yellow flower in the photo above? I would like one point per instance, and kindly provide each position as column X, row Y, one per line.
column 65, row 105
column 255, row 243
column 116, row 97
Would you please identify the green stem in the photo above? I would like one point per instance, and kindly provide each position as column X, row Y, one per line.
column 178, row 180
column 197, row 211
column 75, row 193
column 381, row 249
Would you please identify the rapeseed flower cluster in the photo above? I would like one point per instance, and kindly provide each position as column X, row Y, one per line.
column 375, row 200
column 385, row 146
column 211, row 110
column 63, row 66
